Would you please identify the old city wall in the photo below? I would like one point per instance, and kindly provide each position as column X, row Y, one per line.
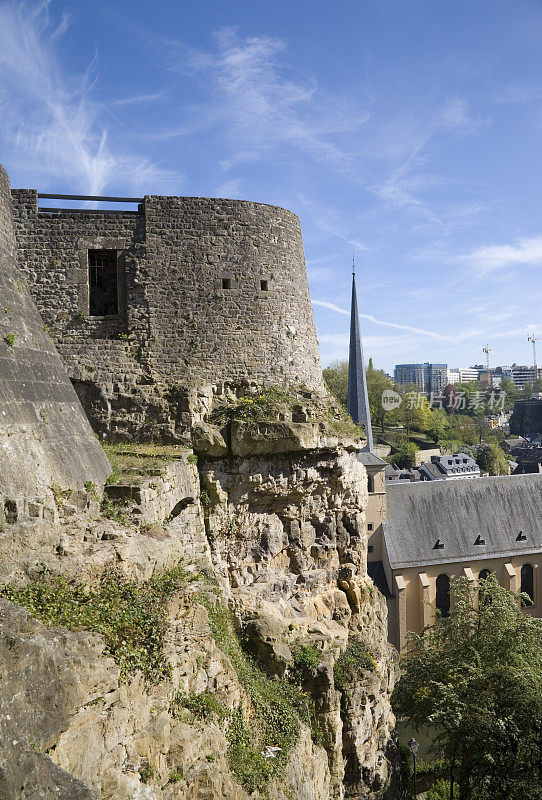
column 210, row 291
column 45, row 439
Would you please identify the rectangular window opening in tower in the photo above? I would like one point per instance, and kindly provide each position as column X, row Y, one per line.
column 264, row 286
column 226, row 283
column 102, row 281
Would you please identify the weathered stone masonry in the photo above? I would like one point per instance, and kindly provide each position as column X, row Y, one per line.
column 210, row 292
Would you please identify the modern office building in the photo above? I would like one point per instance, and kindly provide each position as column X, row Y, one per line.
column 520, row 376
column 463, row 374
column 426, row 377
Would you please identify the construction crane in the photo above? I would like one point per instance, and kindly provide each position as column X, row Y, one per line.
column 487, row 350
column 534, row 340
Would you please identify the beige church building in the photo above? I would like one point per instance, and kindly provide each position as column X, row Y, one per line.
column 423, row 535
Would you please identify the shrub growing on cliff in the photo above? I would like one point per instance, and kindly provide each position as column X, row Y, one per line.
column 476, row 679
column 356, row 659
column 306, row 656
column 203, row 705
column 130, row 616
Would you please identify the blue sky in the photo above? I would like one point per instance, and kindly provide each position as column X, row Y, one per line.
column 407, row 131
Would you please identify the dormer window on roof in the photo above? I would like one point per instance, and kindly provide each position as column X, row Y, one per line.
column 479, row 540
column 521, row 537
column 438, row 545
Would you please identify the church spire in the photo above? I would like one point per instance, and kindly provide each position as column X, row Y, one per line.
column 358, row 399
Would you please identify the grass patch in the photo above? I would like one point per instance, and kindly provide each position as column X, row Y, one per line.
column 130, row 616
column 278, row 708
column 356, row 659
column 131, row 461
column 146, row 773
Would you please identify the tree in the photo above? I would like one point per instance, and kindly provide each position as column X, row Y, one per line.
column 511, row 393
column 476, row 679
column 377, row 383
column 405, row 455
column 437, row 424
column 490, row 458
column 413, row 413
column 336, row 378
column 463, row 429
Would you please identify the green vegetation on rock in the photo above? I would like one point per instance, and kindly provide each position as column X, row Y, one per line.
column 203, row 705
column 356, row 659
column 277, row 709
column 265, row 405
column 131, row 461
column 306, row 656
column 132, row 617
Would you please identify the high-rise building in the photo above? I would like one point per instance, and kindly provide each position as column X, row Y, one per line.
column 427, row 377
column 520, row 376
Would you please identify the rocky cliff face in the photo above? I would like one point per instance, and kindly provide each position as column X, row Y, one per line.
column 257, row 666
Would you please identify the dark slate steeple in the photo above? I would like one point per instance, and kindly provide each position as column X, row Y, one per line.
column 358, row 399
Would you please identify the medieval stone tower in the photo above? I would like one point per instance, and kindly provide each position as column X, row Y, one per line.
column 149, row 306
column 45, row 439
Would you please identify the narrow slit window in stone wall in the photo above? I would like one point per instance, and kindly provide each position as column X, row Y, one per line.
column 264, row 286
column 102, row 281
column 226, row 283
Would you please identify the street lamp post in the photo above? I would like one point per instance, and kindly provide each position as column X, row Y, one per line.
column 414, row 747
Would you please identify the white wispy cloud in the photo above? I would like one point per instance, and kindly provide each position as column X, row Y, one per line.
column 526, row 251
column 52, row 123
column 330, row 221
column 139, row 99
column 230, row 189
column 262, row 106
column 370, row 318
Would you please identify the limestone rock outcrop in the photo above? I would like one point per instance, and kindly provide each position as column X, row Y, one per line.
column 279, row 539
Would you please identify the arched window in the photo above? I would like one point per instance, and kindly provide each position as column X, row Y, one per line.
column 527, row 584
column 443, row 595
column 484, row 598
column 370, row 484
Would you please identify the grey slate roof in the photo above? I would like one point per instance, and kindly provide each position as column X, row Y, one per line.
column 428, row 466
column 457, row 512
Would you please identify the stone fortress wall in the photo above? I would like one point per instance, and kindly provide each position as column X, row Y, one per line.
column 210, row 292
column 45, row 439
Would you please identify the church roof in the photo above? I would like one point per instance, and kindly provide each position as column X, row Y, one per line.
column 370, row 459
column 432, row 522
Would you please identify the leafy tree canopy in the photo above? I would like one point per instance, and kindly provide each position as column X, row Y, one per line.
column 475, row 679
